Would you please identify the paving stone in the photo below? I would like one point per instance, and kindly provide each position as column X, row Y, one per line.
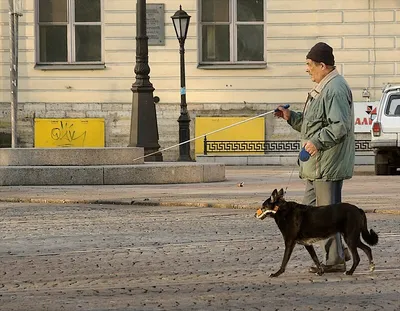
column 113, row 257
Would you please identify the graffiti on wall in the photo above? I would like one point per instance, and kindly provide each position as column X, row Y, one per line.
column 64, row 133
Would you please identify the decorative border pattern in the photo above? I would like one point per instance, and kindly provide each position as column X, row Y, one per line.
column 219, row 146
column 363, row 145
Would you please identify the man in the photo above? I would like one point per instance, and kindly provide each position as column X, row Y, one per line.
column 326, row 125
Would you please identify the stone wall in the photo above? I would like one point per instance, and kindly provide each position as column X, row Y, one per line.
column 118, row 117
column 117, row 121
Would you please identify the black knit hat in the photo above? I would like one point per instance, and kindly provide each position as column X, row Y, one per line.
column 322, row 53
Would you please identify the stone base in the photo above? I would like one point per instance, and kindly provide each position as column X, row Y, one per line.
column 362, row 158
column 70, row 156
column 148, row 173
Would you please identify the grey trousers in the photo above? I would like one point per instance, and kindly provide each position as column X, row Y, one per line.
column 320, row 193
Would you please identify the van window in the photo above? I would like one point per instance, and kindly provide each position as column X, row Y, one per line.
column 393, row 106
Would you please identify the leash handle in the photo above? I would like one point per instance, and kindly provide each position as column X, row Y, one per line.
column 284, row 106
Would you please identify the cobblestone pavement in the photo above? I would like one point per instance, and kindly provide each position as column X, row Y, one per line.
column 120, row 257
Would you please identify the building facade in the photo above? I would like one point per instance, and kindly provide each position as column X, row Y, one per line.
column 243, row 58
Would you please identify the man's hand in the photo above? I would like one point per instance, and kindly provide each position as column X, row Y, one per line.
column 282, row 113
column 310, row 148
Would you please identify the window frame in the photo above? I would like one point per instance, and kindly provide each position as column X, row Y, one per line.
column 233, row 26
column 71, row 40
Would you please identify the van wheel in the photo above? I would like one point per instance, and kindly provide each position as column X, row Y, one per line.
column 381, row 169
column 381, row 164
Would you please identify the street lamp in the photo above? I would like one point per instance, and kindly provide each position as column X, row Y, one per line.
column 181, row 24
column 15, row 10
column 144, row 129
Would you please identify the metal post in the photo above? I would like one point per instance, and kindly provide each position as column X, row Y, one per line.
column 13, row 72
column 205, row 145
column 184, row 118
column 144, row 130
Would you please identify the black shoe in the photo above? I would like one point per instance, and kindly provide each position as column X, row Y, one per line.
column 340, row 267
column 347, row 255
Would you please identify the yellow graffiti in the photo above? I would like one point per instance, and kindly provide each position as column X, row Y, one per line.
column 64, row 135
column 69, row 133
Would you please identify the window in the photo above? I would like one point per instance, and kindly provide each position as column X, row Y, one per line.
column 232, row 31
column 393, row 107
column 69, row 31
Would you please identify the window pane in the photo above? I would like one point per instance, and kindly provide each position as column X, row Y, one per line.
column 250, row 43
column 53, row 11
column 87, row 10
column 215, row 10
column 88, row 43
column 393, row 108
column 53, row 44
column 250, row 10
column 215, row 39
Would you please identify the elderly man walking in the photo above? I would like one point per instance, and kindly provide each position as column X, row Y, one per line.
column 326, row 125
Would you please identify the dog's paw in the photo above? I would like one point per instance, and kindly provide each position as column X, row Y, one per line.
column 348, row 273
column 371, row 267
column 276, row 274
column 320, row 272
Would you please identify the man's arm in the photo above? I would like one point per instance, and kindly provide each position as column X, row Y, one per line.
column 295, row 120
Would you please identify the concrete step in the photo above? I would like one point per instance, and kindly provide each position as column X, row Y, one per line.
column 70, row 156
column 147, row 173
column 362, row 158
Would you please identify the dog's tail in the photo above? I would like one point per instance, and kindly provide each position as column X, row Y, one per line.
column 369, row 236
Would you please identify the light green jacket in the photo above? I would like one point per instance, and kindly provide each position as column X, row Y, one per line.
column 328, row 122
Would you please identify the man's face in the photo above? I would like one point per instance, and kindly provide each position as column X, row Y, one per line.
column 315, row 70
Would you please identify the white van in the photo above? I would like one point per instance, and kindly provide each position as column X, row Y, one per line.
column 385, row 132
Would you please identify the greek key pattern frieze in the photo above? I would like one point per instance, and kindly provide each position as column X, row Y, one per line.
column 363, row 145
column 214, row 146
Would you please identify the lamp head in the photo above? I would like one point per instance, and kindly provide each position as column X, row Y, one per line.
column 181, row 24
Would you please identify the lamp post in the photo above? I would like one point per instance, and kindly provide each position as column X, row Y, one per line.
column 144, row 129
column 15, row 10
column 181, row 24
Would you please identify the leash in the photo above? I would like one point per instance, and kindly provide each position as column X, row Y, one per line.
column 290, row 178
column 303, row 154
column 212, row 132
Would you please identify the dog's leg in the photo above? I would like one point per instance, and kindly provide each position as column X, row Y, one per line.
column 289, row 246
column 354, row 253
column 367, row 250
column 314, row 257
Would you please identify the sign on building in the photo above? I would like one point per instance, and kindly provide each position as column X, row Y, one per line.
column 155, row 24
column 363, row 115
column 253, row 130
column 57, row 133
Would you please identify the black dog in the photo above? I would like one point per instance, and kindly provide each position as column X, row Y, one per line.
column 305, row 225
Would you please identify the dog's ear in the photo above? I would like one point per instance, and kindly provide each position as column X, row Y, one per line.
column 281, row 192
column 274, row 195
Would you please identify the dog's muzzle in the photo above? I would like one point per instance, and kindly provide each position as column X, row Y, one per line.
column 262, row 214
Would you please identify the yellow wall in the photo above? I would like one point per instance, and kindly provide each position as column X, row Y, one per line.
column 69, row 133
column 251, row 130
